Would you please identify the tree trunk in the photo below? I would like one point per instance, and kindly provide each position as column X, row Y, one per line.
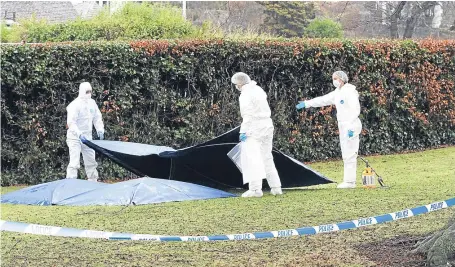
column 437, row 17
column 394, row 20
column 416, row 11
column 439, row 247
column 412, row 21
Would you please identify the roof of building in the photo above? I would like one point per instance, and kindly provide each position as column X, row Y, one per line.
column 52, row 11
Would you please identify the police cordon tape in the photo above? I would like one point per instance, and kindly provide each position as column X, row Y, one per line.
column 38, row 229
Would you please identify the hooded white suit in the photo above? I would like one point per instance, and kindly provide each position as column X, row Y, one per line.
column 256, row 156
column 346, row 100
column 82, row 114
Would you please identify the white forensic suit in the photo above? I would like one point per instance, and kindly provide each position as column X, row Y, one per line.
column 346, row 100
column 82, row 114
column 256, row 151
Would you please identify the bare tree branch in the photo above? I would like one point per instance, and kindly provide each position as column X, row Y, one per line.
column 394, row 20
column 342, row 12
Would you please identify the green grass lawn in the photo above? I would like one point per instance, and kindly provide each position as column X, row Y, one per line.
column 415, row 179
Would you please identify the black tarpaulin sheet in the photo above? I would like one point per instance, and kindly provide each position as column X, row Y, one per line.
column 204, row 164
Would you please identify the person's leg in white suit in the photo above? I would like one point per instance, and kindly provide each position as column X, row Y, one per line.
column 74, row 147
column 90, row 163
column 349, row 151
column 273, row 179
column 253, row 170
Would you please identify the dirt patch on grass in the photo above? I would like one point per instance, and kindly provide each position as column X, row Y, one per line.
column 393, row 252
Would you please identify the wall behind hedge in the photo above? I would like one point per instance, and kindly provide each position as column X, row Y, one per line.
column 178, row 93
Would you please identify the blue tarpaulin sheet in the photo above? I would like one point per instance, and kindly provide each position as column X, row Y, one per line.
column 144, row 191
column 73, row 192
column 50, row 193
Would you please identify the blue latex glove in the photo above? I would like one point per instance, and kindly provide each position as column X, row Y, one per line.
column 350, row 133
column 100, row 135
column 300, row 105
column 242, row 137
column 83, row 138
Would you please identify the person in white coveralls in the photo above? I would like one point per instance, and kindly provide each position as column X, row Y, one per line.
column 83, row 113
column 346, row 100
column 256, row 136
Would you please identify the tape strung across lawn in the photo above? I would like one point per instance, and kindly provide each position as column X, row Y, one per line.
column 326, row 228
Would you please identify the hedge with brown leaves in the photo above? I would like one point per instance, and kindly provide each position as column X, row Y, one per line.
column 178, row 93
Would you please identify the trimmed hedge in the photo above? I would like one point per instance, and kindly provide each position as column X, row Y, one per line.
column 178, row 93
